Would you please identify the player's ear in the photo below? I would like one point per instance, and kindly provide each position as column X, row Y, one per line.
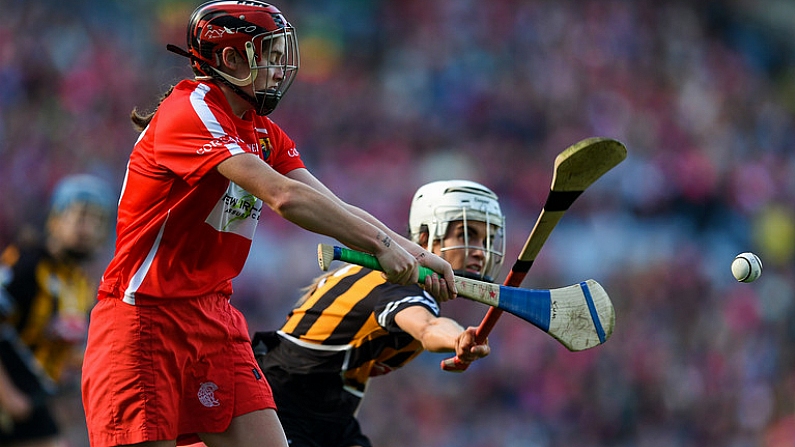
column 230, row 58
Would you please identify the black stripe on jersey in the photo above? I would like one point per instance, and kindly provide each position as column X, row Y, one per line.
column 373, row 349
column 24, row 288
column 312, row 314
column 354, row 319
column 400, row 359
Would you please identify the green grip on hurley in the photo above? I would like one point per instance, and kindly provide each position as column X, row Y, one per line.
column 327, row 253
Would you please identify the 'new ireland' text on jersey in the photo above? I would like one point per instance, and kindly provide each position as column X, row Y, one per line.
column 191, row 237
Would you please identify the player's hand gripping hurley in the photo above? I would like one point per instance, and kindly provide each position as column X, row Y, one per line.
column 576, row 168
column 579, row 316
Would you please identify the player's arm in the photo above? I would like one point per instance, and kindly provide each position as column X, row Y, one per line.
column 441, row 291
column 440, row 334
column 312, row 210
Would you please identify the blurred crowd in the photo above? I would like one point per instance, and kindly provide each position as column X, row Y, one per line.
column 392, row 94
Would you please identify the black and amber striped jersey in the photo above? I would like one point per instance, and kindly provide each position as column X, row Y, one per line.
column 49, row 304
column 347, row 326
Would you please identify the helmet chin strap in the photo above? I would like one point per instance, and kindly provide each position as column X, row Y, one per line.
column 233, row 83
column 252, row 67
column 268, row 104
column 236, row 83
column 248, row 80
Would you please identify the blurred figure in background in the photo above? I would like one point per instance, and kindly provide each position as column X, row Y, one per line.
column 351, row 324
column 45, row 297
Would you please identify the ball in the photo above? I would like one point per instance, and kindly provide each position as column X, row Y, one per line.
column 746, row 267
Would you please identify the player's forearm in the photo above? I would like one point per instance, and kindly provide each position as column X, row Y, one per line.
column 314, row 212
column 303, row 204
column 446, row 335
column 398, row 238
column 372, row 219
column 440, row 335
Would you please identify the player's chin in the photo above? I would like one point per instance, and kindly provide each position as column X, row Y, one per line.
column 474, row 269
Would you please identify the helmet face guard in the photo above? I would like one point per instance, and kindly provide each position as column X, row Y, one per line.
column 437, row 204
column 258, row 32
column 286, row 42
column 494, row 246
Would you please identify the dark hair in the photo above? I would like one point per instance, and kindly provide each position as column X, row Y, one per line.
column 139, row 120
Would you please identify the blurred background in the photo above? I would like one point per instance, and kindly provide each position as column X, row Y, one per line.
column 392, row 94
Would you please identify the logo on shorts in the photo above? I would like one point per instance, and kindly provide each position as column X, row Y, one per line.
column 207, row 394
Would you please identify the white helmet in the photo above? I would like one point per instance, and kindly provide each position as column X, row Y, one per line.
column 436, row 204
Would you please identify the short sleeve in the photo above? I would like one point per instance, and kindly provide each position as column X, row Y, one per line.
column 193, row 134
column 278, row 148
column 393, row 298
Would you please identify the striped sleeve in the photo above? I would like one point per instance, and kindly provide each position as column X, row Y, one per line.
column 395, row 298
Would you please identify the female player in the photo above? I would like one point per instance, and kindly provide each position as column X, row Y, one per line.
column 168, row 357
column 352, row 325
column 46, row 294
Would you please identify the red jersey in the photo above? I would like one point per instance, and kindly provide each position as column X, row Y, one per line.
column 183, row 229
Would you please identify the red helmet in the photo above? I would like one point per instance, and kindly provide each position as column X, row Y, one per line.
column 247, row 26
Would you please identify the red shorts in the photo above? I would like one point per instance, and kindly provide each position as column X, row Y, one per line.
column 163, row 369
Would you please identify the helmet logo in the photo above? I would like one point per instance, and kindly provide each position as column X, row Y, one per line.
column 217, row 33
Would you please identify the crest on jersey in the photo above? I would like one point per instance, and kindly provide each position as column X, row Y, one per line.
column 266, row 147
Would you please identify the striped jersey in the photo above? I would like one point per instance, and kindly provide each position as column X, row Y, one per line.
column 50, row 301
column 183, row 229
column 347, row 327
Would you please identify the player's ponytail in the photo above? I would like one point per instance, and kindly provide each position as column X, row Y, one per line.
column 139, row 120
